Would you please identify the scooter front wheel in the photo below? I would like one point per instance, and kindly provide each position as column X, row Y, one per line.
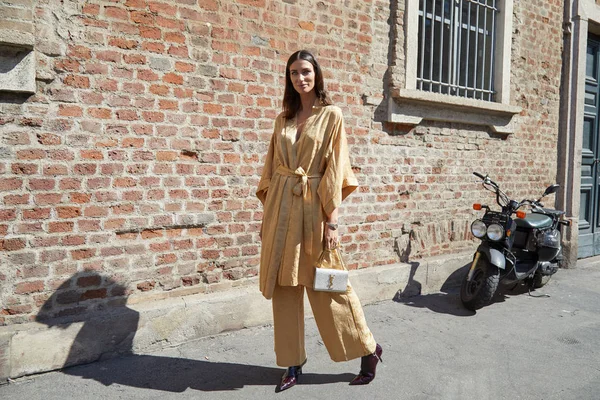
column 479, row 291
column 540, row 280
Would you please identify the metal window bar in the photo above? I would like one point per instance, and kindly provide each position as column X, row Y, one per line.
column 431, row 43
column 451, row 42
column 422, row 35
column 453, row 51
column 484, row 49
column 476, row 55
column 493, row 47
column 468, row 25
column 441, row 57
column 458, row 29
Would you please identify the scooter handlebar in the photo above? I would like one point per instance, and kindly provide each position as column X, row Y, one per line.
column 485, row 179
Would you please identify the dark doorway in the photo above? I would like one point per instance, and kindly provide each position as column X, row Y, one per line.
column 589, row 221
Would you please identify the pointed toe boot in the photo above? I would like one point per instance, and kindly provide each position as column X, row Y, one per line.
column 368, row 365
column 290, row 377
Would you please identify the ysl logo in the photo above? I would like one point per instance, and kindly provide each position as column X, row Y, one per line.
column 331, row 277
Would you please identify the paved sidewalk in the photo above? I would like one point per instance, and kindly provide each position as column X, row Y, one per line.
column 519, row 347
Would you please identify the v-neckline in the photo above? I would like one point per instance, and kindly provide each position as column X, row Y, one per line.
column 299, row 135
column 296, row 147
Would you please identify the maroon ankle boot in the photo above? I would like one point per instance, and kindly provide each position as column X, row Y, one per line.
column 290, row 377
column 368, row 365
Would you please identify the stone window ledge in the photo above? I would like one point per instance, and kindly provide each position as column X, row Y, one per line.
column 17, row 69
column 410, row 106
column 16, row 38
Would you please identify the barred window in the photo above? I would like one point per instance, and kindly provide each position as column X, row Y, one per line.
column 456, row 46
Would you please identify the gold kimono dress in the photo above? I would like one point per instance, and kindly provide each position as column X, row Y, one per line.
column 303, row 182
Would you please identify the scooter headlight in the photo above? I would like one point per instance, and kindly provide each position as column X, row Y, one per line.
column 495, row 232
column 478, row 228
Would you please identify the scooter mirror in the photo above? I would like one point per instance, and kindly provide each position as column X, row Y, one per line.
column 551, row 189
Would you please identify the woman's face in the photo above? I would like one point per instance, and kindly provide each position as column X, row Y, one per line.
column 302, row 75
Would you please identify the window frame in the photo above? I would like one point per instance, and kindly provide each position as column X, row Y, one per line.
column 456, row 37
column 409, row 105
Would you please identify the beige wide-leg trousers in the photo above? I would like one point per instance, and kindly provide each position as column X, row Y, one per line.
column 339, row 317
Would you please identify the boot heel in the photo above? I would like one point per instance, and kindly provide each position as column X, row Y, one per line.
column 378, row 352
column 300, row 366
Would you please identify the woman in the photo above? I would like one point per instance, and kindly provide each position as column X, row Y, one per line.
column 306, row 176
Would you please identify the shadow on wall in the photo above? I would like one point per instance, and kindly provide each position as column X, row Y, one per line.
column 108, row 328
column 98, row 303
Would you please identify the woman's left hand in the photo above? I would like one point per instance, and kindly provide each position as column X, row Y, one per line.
column 331, row 237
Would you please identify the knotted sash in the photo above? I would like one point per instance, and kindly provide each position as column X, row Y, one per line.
column 302, row 188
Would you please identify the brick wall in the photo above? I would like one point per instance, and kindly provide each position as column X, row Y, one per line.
column 16, row 22
column 138, row 157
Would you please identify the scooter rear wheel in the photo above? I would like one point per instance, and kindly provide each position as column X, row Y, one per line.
column 479, row 291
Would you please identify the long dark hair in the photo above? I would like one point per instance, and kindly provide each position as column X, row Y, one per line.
column 291, row 98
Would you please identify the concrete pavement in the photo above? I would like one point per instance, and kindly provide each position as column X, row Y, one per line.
column 519, row 347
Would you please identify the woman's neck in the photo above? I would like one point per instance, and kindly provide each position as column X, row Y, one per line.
column 308, row 100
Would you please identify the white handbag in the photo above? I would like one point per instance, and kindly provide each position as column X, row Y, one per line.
column 331, row 274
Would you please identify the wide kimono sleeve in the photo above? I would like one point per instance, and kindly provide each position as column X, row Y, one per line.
column 338, row 178
column 267, row 172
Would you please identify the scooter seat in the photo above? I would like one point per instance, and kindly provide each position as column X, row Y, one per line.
column 534, row 220
column 553, row 212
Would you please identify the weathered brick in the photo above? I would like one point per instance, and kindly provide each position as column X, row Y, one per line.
column 80, row 197
column 52, row 256
column 82, row 254
column 123, row 43
column 78, row 81
column 16, row 199
column 35, row 271
column 68, row 212
column 89, row 225
column 12, row 244
column 10, row 183
column 87, row 281
column 146, row 286
column 70, row 111
column 36, row 213
column 55, row 227
column 48, row 198
column 116, row 13
column 24, row 169
column 29, row 287
column 81, row 52
column 56, row 169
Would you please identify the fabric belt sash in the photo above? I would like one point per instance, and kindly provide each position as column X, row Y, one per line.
column 302, row 188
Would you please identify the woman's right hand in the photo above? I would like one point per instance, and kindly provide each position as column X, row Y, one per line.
column 331, row 238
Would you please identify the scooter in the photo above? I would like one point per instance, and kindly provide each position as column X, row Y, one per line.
column 515, row 246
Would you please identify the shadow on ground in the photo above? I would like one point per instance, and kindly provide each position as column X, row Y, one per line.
column 179, row 374
column 106, row 335
column 447, row 301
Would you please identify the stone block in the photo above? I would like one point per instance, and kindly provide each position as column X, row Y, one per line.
column 47, row 346
column 5, row 366
column 15, row 37
column 160, row 63
column 17, row 69
column 38, row 350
